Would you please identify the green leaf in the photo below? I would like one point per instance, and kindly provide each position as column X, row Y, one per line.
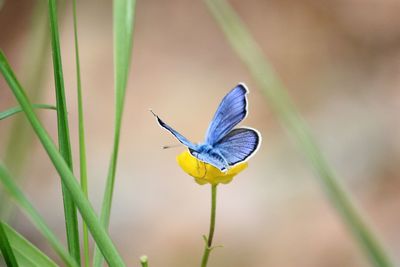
column 82, row 147
column 26, row 206
column 277, row 97
column 27, row 254
column 12, row 111
column 6, row 249
column 71, row 218
column 124, row 11
column 88, row 214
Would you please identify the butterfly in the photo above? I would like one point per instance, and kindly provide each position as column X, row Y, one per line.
column 224, row 146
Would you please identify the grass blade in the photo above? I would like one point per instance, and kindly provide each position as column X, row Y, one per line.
column 82, row 147
column 34, row 216
column 6, row 249
column 71, row 218
column 12, row 111
column 123, row 15
column 27, row 254
column 250, row 53
column 98, row 232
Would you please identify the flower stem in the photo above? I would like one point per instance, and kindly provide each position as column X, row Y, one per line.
column 208, row 246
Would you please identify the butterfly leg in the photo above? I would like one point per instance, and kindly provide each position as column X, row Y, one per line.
column 198, row 162
column 205, row 170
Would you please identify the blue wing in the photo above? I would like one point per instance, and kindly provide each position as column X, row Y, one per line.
column 238, row 145
column 178, row 136
column 231, row 111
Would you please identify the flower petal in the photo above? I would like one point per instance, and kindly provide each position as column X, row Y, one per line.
column 206, row 173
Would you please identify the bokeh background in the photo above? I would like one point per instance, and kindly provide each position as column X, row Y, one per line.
column 340, row 61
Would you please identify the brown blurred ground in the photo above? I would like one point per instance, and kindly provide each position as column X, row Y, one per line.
column 339, row 59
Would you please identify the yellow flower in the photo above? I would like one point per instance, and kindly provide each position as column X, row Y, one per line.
column 205, row 173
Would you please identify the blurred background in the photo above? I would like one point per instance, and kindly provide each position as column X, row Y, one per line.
column 340, row 61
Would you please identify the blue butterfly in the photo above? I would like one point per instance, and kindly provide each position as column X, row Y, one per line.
column 224, row 146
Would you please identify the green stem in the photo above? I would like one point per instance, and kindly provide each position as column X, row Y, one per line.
column 70, row 212
column 82, row 146
column 208, row 247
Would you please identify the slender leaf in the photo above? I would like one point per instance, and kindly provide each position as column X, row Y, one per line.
column 250, row 53
column 123, row 14
column 27, row 254
column 82, row 147
column 71, row 218
column 6, row 249
column 22, row 201
column 12, row 111
column 25, row 261
column 98, row 232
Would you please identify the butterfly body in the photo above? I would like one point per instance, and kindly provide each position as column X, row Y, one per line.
column 224, row 146
column 209, row 154
column 204, row 148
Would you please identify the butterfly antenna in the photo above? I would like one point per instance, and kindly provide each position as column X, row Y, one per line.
column 171, row 146
column 154, row 114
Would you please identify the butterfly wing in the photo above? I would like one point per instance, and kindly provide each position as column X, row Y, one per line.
column 177, row 135
column 238, row 145
column 231, row 111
